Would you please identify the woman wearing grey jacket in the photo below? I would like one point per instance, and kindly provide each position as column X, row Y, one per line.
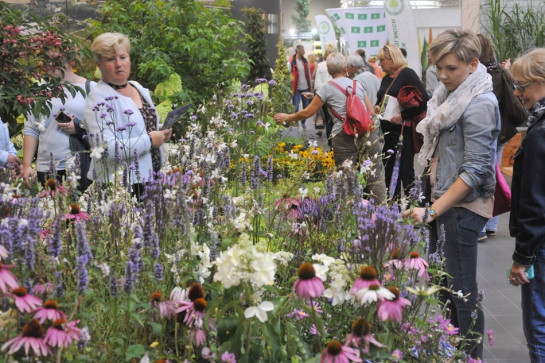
column 460, row 133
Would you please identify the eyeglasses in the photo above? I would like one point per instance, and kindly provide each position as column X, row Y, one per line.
column 521, row 87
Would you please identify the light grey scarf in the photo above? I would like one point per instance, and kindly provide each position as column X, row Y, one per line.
column 445, row 108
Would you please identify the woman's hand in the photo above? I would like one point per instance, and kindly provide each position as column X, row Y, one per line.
column 67, row 127
column 168, row 135
column 281, row 118
column 308, row 95
column 517, row 276
column 377, row 109
column 158, row 137
column 28, row 175
column 416, row 214
column 396, row 119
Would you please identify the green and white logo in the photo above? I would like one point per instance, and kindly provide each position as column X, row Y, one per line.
column 323, row 27
column 394, row 7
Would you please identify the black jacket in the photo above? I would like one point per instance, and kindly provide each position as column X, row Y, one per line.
column 527, row 219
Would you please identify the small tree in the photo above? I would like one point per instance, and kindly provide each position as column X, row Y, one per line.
column 281, row 93
column 257, row 49
column 32, row 56
column 302, row 24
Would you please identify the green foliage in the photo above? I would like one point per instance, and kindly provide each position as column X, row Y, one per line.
column 257, row 49
column 515, row 30
column 200, row 44
column 302, row 24
column 282, row 92
column 30, row 64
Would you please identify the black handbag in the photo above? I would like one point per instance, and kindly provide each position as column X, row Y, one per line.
column 80, row 145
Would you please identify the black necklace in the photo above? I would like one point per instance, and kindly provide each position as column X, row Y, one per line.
column 115, row 86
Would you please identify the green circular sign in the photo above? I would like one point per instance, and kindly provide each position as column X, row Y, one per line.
column 323, row 27
column 394, row 7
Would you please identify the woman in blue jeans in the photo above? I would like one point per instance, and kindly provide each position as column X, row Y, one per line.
column 527, row 219
column 460, row 132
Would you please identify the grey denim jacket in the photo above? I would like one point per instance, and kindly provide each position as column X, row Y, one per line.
column 468, row 149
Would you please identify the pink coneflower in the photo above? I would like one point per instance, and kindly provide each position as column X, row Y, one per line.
column 335, row 352
column 391, row 309
column 308, row 285
column 3, row 253
column 31, row 337
column 76, row 214
column 42, row 289
column 7, row 279
column 44, row 233
column 395, row 259
column 52, row 188
column 166, row 309
column 62, row 333
column 193, row 312
column 195, row 292
column 290, row 206
column 368, row 277
column 417, row 263
column 361, row 332
column 200, row 337
column 48, row 311
column 23, row 300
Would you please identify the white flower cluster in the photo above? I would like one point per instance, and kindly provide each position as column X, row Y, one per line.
column 246, row 262
column 338, row 290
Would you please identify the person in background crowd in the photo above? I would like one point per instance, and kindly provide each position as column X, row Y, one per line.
column 51, row 138
column 312, row 66
column 398, row 75
column 321, row 77
column 431, row 78
column 527, row 219
column 460, row 133
column 8, row 154
column 511, row 111
column 356, row 70
column 373, row 62
column 300, row 71
column 136, row 120
column 344, row 147
column 366, row 66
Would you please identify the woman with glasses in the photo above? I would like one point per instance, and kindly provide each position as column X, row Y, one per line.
column 511, row 111
column 460, row 133
column 527, row 219
column 398, row 75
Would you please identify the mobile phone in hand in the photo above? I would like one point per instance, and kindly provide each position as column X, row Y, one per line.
column 62, row 118
column 529, row 273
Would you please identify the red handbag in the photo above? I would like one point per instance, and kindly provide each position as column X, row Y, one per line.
column 502, row 194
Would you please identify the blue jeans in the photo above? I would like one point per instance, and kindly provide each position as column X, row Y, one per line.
column 297, row 97
column 533, row 310
column 462, row 228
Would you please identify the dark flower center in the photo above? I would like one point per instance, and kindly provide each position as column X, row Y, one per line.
column 51, row 184
column 361, row 328
column 180, row 317
column 195, row 292
column 395, row 253
column 19, row 291
column 74, row 208
column 368, row 273
column 156, row 297
column 414, row 255
column 51, row 304
column 394, row 290
column 374, row 287
column 334, row 347
column 59, row 324
column 33, row 329
column 199, row 304
column 306, row 271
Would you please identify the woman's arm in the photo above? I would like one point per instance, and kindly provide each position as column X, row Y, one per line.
column 30, row 144
column 311, row 109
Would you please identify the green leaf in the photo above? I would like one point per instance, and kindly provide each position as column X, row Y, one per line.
column 135, row 351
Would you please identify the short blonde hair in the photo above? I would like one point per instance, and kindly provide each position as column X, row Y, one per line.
column 336, row 63
column 463, row 43
column 530, row 67
column 107, row 44
column 393, row 53
column 329, row 48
